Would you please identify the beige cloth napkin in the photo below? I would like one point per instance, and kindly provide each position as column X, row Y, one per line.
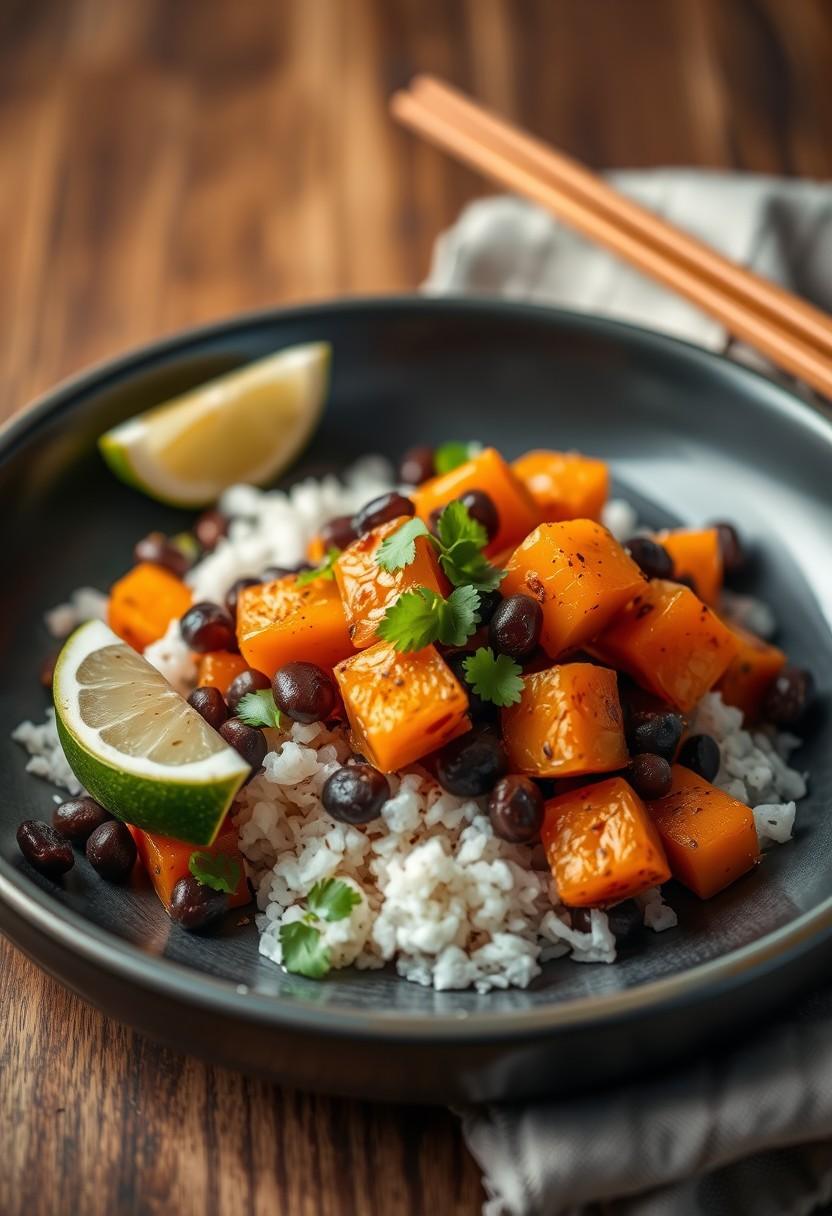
column 750, row 1136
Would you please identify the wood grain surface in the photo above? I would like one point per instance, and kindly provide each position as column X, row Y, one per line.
column 165, row 162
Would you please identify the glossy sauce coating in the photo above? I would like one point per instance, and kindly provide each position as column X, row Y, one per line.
column 279, row 622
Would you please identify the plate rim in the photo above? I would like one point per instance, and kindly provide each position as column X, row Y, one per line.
column 191, row 986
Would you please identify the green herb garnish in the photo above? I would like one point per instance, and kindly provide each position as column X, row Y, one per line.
column 399, row 549
column 421, row 616
column 460, row 541
column 451, row 455
column 258, row 709
column 325, row 569
column 331, row 899
column 304, row 951
column 497, row 679
column 216, row 870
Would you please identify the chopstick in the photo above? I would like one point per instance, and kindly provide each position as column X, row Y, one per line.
column 790, row 332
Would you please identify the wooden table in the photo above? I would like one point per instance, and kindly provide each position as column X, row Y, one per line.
column 165, row 162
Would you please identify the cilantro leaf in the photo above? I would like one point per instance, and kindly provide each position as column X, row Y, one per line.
column 451, row 455
column 304, row 952
column 215, row 870
column 399, row 548
column 499, row 679
column 474, row 569
column 324, row 569
column 332, row 899
column 421, row 616
column 258, row 709
column 456, row 524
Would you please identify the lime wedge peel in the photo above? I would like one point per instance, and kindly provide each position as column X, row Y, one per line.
column 136, row 744
column 247, row 426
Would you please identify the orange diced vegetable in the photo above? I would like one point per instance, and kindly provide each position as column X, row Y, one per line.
column 601, row 845
column 709, row 837
column 697, row 555
column 580, row 576
column 750, row 673
column 565, row 485
column 218, row 668
column 368, row 591
column 315, row 551
column 166, row 861
column 568, row 722
column 486, row 471
column 281, row 622
column 401, row 706
column 144, row 602
column 669, row 642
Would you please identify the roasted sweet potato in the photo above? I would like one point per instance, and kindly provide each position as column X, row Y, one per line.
column 669, row 642
column 218, row 668
column 166, row 861
column 144, row 602
column 280, row 622
column 315, row 551
column 697, row 556
column 709, row 837
column 368, row 591
column 601, row 845
column 401, row 706
column 565, row 485
column 750, row 673
column 486, row 471
column 567, row 723
column 580, row 576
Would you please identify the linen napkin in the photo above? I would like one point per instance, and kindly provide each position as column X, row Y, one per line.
column 750, row 1135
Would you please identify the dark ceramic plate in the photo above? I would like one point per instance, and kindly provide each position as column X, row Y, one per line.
column 690, row 436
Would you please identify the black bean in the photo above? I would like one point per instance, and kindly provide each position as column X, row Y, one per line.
column 232, row 595
column 380, row 511
column 581, row 919
column 416, row 465
column 433, row 520
column 249, row 741
column 686, row 580
column 47, row 670
column 45, row 849
column 471, row 764
column 479, row 709
column 651, row 558
column 656, row 731
column 207, row 626
column 210, row 528
column 304, row 692
column 194, row 905
column 210, row 704
column 789, row 696
column 489, row 603
column 355, row 794
column 111, row 850
column 156, row 548
column 247, row 681
column 515, row 626
column 516, row 809
column 480, row 506
column 650, row 775
column 734, row 555
column 701, row 754
column 78, row 818
column 275, row 572
column 338, row 533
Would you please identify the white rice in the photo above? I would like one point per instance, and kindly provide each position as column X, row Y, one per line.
column 451, row 904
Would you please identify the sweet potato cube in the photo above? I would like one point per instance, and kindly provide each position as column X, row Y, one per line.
column 401, row 706
column 166, row 861
column 750, row 673
column 368, row 591
column 697, row 555
column 601, row 845
column 280, row 622
column 315, row 551
column 568, row 722
column 565, row 485
column 486, row 471
column 709, row 837
column 218, row 668
column 669, row 642
column 144, row 602
column 580, row 576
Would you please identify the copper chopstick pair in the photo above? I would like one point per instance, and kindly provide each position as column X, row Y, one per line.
column 790, row 332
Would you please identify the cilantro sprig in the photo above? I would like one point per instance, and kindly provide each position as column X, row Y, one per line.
column 422, row 616
column 216, row 870
column 325, row 569
column 301, row 942
column 451, row 455
column 494, row 678
column 258, row 709
column 459, row 541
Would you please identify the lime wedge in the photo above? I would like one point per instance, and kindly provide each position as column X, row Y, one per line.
column 136, row 745
column 245, row 426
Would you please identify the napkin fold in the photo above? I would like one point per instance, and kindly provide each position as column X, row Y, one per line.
column 750, row 1135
